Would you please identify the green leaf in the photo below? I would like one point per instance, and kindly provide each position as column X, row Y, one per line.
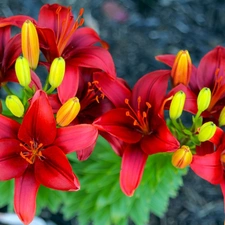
column 7, row 193
column 100, row 199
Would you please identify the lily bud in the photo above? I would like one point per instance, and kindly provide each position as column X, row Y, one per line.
column 207, row 131
column 30, row 43
column 68, row 112
column 15, row 106
column 204, row 98
column 182, row 157
column 57, row 71
column 182, row 68
column 23, row 71
column 222, row 117
column 177, row 105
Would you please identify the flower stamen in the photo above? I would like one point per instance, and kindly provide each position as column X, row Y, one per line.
column 31, row 151
column 140, row 117
column 93, row 93
column 68, row 27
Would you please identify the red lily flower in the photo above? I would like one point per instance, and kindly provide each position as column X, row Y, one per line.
column 34, row 153
column 140, row 124
column 61, row 36
column 95, row 93
column 209, row 163
column 210, row 73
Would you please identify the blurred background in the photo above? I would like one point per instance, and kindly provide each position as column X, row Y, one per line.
column 137, row 31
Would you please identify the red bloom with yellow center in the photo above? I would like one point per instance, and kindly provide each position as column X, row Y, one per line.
column 96, row 94
column 140, row 124
column 62, row 36
column 34, row 153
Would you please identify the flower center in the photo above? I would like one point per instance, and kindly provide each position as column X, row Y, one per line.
column 67, row 27
column 31, row 151
column 218, row 90
column 140, row 118
column 93, row 94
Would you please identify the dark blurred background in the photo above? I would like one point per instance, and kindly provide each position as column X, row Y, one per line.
column 137, row 31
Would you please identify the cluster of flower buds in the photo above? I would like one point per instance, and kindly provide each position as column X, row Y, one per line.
column 77, row 95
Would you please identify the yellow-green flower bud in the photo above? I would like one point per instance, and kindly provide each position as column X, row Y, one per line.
column 222, row 117
column 15, row 106
column 182, row 68
column 207, row 131
column 57, row 71
column 30, row 43
column 23, row 71
column 68, row 112
column 177, row 105
column 182, row 157
column 204, row 98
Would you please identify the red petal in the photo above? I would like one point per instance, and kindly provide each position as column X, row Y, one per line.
column 15, row 21
column 35, row 81
column 208, row 167
column 93, row 57
column 26, row 188
column 85, row 153
column 75, row 138
column 160, row 140
column 12, row 51
column 216, row 139
column 48, row 45
column 8, row 127
column 11, row 163
column 167, row 59
column 55, row 14
column 39, row 123
column 133, row 163
column 69, row 86
column 191, row 99
column 54, row 170
column 4, row 38
column 108, row 86
column 148, row 89
column 205, row 148
column 208, row 65
column 54, row 102
column 84, row 37
column 119, row 125
column 117, row 145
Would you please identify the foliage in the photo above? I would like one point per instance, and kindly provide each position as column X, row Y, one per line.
column 100, row 199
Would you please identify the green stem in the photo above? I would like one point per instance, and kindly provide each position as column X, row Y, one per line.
column 50, row 90
column 8, row 91
column 176, row 125
column 46, row 84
